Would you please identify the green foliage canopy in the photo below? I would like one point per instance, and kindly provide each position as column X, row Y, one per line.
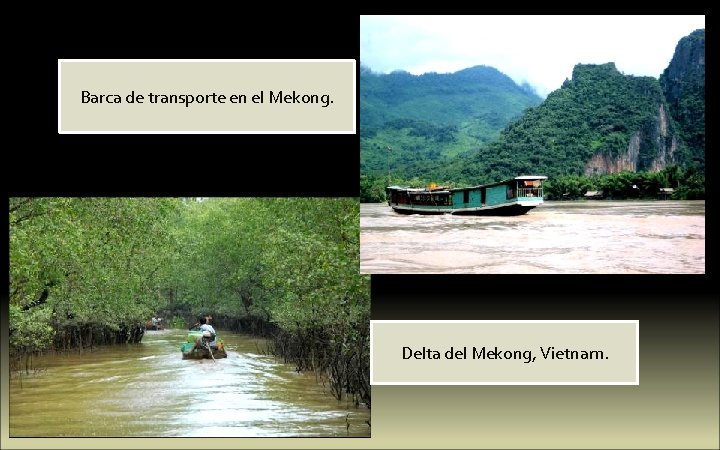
column 92, row 261
column 429, row 118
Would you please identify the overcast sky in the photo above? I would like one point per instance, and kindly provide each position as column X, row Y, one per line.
column 541, row 50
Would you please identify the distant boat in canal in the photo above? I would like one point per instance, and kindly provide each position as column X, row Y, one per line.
column 511, row 197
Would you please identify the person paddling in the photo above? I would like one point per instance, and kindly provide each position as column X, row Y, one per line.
column 208, row 319
column 206, row 327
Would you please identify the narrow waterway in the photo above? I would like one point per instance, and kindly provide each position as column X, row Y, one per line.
column 147, row 389
column 604, row 237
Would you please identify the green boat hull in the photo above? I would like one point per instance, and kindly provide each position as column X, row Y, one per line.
column 203, row 353
column 190, row 350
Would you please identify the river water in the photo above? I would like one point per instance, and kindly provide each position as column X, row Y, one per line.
column 602, row 237
column 148, row 390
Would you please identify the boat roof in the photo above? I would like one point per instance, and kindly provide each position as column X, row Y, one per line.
column 521, row 177
column 405, row 188
column 411, row 189
column 447, row 191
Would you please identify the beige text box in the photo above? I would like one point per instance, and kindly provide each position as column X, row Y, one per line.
column 504, row 352
column 206, row 96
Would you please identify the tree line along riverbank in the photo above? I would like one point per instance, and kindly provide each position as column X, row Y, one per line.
column 91, row 271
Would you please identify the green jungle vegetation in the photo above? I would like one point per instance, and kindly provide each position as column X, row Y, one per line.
column 683, row 83
column 91, row 271
column 432, row 117
column 596, row 113
column 687, row 184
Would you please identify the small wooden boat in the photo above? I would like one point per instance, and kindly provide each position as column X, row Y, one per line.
column 154, row 324
column 197, row 347
column 511, row 197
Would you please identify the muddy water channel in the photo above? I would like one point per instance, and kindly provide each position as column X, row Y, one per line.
column 149, row 390
column 606, row 237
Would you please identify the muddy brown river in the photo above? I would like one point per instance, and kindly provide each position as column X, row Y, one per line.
column 148, row 390
column 606, row 237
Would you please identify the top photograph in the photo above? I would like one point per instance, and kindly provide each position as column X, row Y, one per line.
column 532, row 144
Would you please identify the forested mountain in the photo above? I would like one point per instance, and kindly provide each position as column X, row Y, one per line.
column 683, row 84
column 429, row 117
column 600, row 122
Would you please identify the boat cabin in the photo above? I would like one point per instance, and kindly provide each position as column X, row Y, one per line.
column 508, row 197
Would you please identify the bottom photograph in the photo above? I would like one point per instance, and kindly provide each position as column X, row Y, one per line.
column 187, row 317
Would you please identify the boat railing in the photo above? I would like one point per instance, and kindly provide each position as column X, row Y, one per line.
column 530, row 192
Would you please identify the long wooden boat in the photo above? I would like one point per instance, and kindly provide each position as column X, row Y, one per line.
column 511, row 197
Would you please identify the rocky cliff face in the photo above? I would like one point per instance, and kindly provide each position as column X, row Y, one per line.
column 661, row 136
column 683, row 83
column 686, row 70
column 676, row 133
column 601, row 164
column 651, row 148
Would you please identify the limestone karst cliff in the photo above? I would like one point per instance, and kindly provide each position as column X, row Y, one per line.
column 683, row 83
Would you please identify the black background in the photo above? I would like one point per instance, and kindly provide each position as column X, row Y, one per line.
column 199, row 164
